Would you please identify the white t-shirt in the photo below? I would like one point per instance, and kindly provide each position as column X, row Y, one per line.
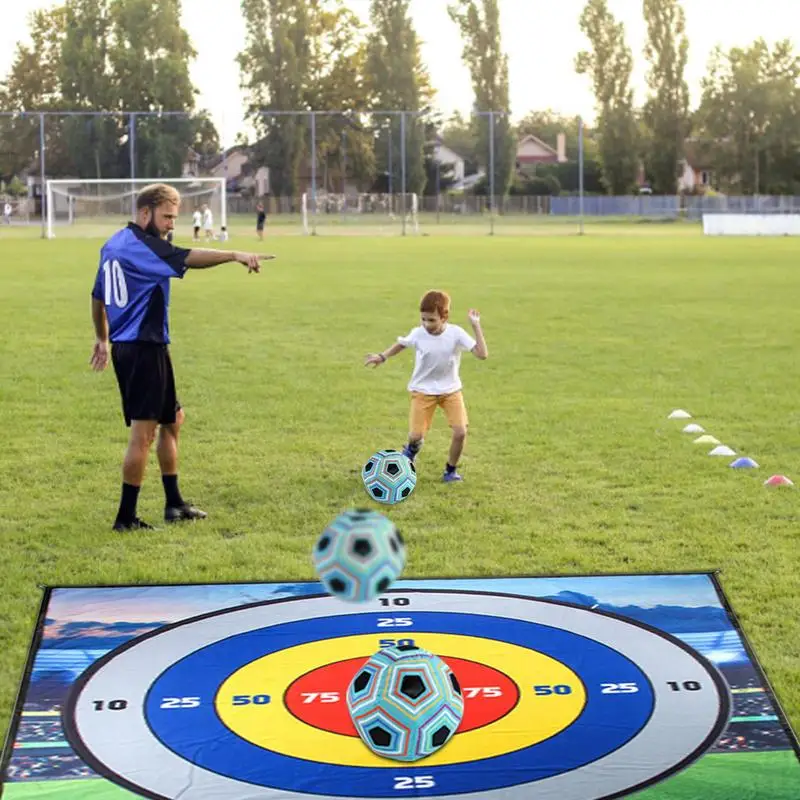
column 7, row 210
column 196, row 219
column 437, row 358
column 208, row 219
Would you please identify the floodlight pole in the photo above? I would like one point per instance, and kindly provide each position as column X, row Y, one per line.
column 403, row 168
column 491, row 173
column 132, row 155
column 314, row 170
column 42, row 146
column 580, row 174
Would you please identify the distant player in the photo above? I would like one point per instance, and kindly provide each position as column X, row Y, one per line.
column 208, row 223
column 435, row 381
column 261, row 218
column 7, row 213
column 197, row 221
column 130, row 303
column 223, row 234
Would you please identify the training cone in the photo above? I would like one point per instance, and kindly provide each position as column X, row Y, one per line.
column 693, row 427
column 706, row 440
column 679, row 413
column 778, row 480
column 743, row 463
column 722, row 450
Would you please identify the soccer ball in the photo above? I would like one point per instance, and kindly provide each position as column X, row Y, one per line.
column 389, row 476
column 359, row 555
column 405, row 703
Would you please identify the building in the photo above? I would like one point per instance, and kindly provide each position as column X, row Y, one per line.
column 531, row 151
column 447, row 156
column 696, row 174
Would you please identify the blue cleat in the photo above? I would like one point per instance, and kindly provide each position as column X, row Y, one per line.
column 408, row 454
column 451, row 477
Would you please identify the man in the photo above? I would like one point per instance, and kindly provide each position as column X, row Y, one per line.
column 261, row 218
column 130, row 301
column 7, row 213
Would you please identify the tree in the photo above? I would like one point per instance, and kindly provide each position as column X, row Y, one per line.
column 666, row 112
column 609, row 64
column 398, row 80
column 748, row 122
column 105, row 55
column 488, row 67
column 274, row 67
column 460, row 135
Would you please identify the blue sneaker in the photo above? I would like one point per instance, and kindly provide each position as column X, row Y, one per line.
column 451, row 477
column 408, row 454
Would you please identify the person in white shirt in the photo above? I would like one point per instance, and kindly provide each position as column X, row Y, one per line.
column 208, row 223
column 197, row 221
column 435, row 381
column 223, row 234
column 7, row 213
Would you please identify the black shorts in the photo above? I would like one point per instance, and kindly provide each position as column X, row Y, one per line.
column 196, row 229
column 146, row 381
column 259, row 226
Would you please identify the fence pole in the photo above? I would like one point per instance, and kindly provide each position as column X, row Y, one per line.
column 42, row 157
column 391, row 165
column 132, row 156
column 403, row 168
column 491, row 173
column 314, row 171
column 580, row 174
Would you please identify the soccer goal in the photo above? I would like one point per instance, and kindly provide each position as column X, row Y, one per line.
column 97, row 207
column 350, row 214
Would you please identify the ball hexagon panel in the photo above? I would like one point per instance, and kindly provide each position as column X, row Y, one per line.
column 406, row 689
column 389, row 477
column 359, row 555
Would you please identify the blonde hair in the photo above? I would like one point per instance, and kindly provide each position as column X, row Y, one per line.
column 157, row 194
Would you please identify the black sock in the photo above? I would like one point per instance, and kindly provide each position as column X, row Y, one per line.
column 173, row 495
column 414, row 447
column 127, row 504
column 449, row 468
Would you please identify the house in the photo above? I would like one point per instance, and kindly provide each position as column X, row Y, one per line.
column 696, row 174
column 531, row 151
column 233, row 166
column 446, row 155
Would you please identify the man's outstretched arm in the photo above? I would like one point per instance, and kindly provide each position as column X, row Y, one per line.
column 199, row 258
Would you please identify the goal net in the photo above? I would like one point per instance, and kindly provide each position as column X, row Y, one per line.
column 97, row 208
column 371, row 214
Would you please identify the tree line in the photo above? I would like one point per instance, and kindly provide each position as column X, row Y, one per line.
column 116, row 55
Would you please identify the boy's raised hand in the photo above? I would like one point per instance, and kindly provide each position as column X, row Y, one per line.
column 474, row 316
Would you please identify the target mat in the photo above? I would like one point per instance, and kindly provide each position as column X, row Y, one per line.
column 575, row 688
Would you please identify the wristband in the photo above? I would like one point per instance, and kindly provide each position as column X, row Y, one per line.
column 382, row 357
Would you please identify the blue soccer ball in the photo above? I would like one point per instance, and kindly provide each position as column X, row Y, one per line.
column 359, row 555
column 389, row 476
column 405, row 703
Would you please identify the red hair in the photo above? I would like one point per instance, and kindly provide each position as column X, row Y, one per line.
column 435, row 301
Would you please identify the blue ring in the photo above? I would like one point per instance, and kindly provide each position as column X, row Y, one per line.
column 607, row 722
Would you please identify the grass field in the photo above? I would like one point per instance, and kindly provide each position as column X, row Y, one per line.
column 571, row 466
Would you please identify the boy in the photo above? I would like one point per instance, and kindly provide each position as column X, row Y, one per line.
column 208, row 223
column 223, row 234
column 197, row 219
column 435, row 380
column 261, row 218
column 7, row 213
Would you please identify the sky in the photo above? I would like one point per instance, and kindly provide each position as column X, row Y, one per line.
column 541, row 38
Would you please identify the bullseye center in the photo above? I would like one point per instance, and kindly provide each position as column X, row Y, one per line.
column 319, row 698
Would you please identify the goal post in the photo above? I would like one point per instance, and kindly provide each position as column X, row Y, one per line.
column 92, row 205
column 364, row 213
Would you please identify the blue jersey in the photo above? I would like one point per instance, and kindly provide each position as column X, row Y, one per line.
column 133, row 283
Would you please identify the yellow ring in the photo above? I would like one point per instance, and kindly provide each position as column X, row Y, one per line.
column 273, row 727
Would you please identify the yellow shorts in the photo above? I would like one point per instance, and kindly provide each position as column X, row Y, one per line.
column 423, row 407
